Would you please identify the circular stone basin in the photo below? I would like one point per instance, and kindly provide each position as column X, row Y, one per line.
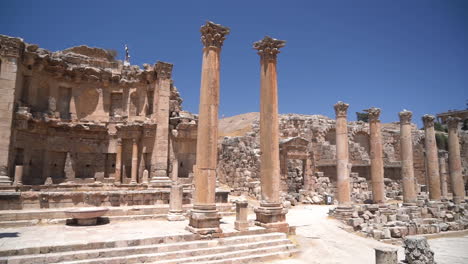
column 87, row 215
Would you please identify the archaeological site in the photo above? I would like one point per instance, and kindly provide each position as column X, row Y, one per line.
column 100, row 163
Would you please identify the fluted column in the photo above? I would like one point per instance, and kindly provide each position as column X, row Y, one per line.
column 271, row 213
column 118, row 162
column 455, row 168
column 443, row 174
column 134, row 174
column 342, row 168
column 204, row 218
column 376, row 153
column 432, row 162
column 406, row 151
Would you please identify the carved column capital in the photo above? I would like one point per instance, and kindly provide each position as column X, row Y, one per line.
column 119, row 141
column 405, row 117
column 163, row 70
column 268, row 48
column 213, row 35
column 341, row 109
column 452, row 122
column 374, row 114
column 428, row 120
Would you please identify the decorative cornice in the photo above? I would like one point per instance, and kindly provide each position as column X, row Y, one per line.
column 405, row 116
column 163, row 70
column 213, row 35
column 268, row 47
column 11, row 47
column 428, row 120
column 341, row 109
column 374, row 114
column 452, row 122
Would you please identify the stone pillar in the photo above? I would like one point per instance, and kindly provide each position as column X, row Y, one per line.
column 443, row 174
column 18, row 175
column 242, row 211
column 342, row 171
column 455, row 168
column 175, row 171
column 204, row 217
column 271, row 213
column 160, row 152
column 175, row 203
column 118, row 162
column 432, row 162
column 386, row 256
column 376, row 153
column 406, row 152
column 69, row 170
column 134, row 174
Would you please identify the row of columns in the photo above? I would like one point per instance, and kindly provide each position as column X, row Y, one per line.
column 437, row 182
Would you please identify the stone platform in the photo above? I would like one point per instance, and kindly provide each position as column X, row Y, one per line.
column 140, row 242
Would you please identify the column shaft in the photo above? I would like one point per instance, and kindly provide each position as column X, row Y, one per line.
column 406, row 151
column 118, row 162
column 342, row 168
column 455, row 168
column 443, row 176
column 376, row 154
column 432, row 162
column 134, row 162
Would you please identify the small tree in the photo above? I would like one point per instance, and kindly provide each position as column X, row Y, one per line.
column 441, row 141
column 439, row 127
column 364, row 117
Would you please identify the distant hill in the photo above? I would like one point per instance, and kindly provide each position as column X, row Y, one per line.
column 237, row 125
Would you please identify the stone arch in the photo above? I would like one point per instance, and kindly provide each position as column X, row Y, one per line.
column 362, row 130
column 325, row 134
column 418, row 139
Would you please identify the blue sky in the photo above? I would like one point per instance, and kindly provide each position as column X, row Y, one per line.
column 390, row 54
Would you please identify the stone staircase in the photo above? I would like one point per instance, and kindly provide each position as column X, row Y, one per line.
column 250, row 247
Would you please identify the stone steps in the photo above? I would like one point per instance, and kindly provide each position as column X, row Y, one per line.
column 19, row 218
column 233, row 249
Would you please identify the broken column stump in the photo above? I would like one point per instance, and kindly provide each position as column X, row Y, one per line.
column 417, row 250
column 386, row 256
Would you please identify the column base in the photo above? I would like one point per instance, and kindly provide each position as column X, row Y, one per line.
column 204, row 220
column 161, row 182
column 272, row 216
column 175, row 216
column 344, row 211
column 241, row 225
column 5, row 180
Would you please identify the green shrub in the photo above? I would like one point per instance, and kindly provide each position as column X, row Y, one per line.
column 442, row 141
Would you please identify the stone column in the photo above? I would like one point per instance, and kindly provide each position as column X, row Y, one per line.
column 443, row 174
column 134, row 174
column 376, row 153
column 18, row 175
column 204, row 218
column 271, row 213
column 160, row 154
column 175, row 203
column 242, row 211
column 455, row 168
column 406, row 152
column 342, row 171
column 175, row 171
column 432, row 162
column 118, row 162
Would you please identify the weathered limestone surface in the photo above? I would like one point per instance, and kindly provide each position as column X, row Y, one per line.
column 271, row 213
column 386, row 256
column 432, row 162
column 455, row 168
column 204, row 217
column 407, row 171
column 376, row 153
column 342, row 163
column 418, row 251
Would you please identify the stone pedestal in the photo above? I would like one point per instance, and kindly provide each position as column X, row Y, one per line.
column 342, row 171
column 455, row 168
column 204, row 218
column 376, row 154
column 4, row 179
column 271, row 213
column 175, row 203
column 406, row 152
column 432, row 162
column 242, row 211
column 386, row 256
column 18, row 175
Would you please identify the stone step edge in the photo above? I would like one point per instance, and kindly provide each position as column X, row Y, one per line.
column 236, row 249
column 228, row 255
column 257, row 257
column 120, row 243
column 172, row 247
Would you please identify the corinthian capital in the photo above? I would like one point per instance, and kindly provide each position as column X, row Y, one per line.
column 213, row 35
column 268, row 48
column 405, row 116
column 452, row 122
column 163, row 70
column 374, row 114
column 428, row 120
column 341, row 109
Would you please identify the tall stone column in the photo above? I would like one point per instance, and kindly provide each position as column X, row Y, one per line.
column 271, row 213
column 376, row 153
column 443, row 174
column 118, row 162
column 455, row 168
column 175, row 171
column 406, row 152
column 160, row 154
column 342, row 168
column 134, row 174
column 204, row 218
column 432, row 161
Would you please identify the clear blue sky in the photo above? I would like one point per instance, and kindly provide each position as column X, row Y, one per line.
column 390, row 54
